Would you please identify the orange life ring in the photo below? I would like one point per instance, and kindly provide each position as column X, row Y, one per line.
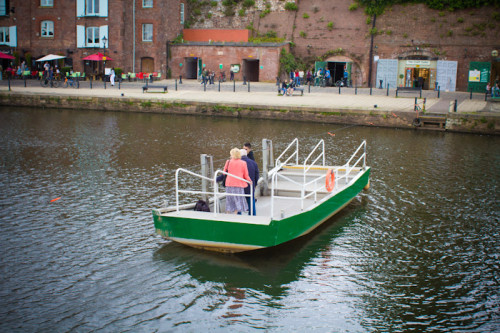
column 330, row 180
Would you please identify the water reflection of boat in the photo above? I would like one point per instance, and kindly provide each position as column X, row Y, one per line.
column 268, row 270
column 292, row 201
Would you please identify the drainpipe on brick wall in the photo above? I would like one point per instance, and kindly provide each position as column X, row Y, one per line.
column 133, row 38
column 370, row 66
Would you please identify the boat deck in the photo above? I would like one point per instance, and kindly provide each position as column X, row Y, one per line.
column 287, row 198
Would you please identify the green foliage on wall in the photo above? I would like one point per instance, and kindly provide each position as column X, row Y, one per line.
column 377, row 7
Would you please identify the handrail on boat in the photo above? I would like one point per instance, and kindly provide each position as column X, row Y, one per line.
column 322, row 154
column 348, row 167
column 213, row 182
column 296, row 153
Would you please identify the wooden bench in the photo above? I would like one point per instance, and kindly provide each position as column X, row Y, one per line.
column 147, row 87
column 439, row 121
column 409, row 90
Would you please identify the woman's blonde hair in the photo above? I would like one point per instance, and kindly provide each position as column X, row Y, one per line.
column 235, row 153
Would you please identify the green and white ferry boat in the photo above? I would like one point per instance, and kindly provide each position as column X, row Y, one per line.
column 292, row 200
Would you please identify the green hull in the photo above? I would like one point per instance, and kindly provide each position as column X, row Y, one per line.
column 236, row 237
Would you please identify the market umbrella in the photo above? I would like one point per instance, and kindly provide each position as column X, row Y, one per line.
column 6, row 56
column 50, row 57
column 97, row 57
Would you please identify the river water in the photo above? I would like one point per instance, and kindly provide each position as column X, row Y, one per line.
column 418, row 252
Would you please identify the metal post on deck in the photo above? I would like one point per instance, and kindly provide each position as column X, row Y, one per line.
column 370, row 91
column 339, row 90
column 387, row 89
column 415, row 105
column 206, row 171
column 420, row 92
column 455, row 106
column 24, row 77
column 439, row 90
column 470, row 93
column 309, row 87
column 204, row 85
column 180, row 79
column 90, row 78
column 175, row 84
column 355, row 90
column 248, row 86
column 234, row 86
column 8, row 79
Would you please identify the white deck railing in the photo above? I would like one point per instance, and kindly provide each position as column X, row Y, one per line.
column 212, row 181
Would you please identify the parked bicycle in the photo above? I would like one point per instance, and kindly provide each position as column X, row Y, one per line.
column 70, row 82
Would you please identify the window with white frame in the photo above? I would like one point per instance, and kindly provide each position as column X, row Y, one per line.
column 47, row 29
column 92, row 7
column 47, row 3
column 4, row 35
column 182, row 13
column 92, row 36
column 147, row 3
column 147, row 32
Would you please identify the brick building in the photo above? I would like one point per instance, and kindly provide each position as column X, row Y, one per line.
column 133, row 33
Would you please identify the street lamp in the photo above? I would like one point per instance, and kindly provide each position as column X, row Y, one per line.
column 104, row 40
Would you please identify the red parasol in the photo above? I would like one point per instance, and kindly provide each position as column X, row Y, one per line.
column 97, row 57
column 6, row 56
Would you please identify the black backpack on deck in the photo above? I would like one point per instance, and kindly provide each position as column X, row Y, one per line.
column 201, row 206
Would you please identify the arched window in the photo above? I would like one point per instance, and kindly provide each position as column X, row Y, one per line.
column 47, row 29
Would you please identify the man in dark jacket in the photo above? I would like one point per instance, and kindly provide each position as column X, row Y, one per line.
column 253, row 173
column 248, row 147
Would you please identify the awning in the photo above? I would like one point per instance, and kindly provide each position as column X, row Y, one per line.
column 50, row 57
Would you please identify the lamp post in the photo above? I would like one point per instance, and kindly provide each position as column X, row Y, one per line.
column 104, row 40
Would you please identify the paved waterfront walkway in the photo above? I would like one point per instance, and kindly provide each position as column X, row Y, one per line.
column 266, row 94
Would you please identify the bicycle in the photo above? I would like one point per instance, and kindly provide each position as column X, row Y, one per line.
column 46, row 81
column 70, row 82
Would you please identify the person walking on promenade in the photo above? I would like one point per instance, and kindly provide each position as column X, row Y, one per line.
column 112, row 76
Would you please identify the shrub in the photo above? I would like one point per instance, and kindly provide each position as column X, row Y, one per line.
column 213, row 3
column 291, row 6
column 302, row 34
column 329, row 26
column 242, row 12
column 460, row 20
column 353, row 6
column 305, row 15
column 248, row 3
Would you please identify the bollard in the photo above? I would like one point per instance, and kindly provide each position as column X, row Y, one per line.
column 455, row 106
column 425, row 100
column 120, row 84
column 244, row 80
column 355, row 90
column 248, row 86
column 420, row 92
column 339, row 90
column 387, row 89
column 439, row 90
column 104, row 80
column 234, row 86
column 180, row 79
column 370, row 91
column 24, row 77
column 78, row 84
column 470, row 94
column 219, row 85
column 8, row 79
column 91, row 82
column 309, row 87
column 415, row 105
column 204, row 85
column 485, row 96
column 175, row 84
